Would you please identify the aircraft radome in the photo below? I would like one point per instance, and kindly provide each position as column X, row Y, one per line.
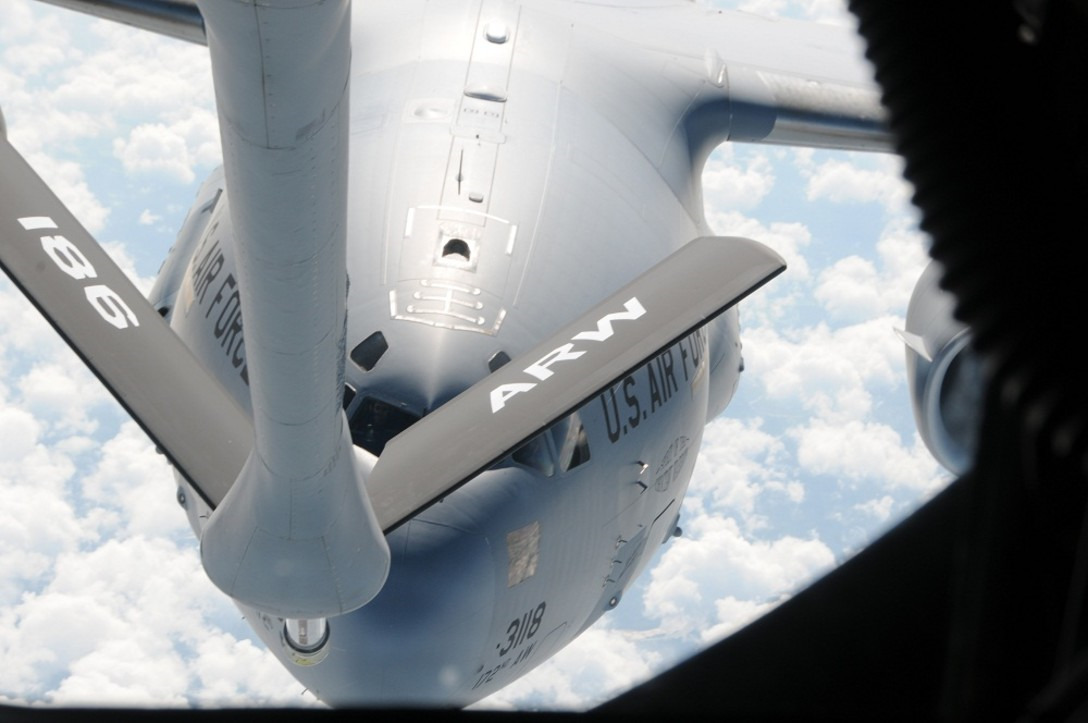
column 562, row 185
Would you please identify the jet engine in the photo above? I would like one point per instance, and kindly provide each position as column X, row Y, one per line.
column 944, row 372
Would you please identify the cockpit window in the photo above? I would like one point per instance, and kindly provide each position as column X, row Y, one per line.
column 568, row 436
column 367, row 352
column 535, row 454
column 375, row 422
column 570, row 439
column 497, row 361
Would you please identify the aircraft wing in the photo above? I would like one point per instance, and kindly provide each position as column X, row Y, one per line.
column 753, row 79
column 174, row 18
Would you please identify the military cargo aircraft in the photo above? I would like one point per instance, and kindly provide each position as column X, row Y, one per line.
column 485, row 321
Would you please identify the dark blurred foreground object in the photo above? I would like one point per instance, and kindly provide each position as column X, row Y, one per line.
column 973, row 608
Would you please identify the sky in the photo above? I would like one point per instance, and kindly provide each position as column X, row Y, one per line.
column 102, row 596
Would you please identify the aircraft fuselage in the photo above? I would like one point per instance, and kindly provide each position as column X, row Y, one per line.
column 508, row 169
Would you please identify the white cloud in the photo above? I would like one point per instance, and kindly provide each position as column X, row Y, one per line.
column 65, row 394
column 20, row 431
column 102, row 596
column 36, row 523
column 229, row 671
column 831, row 12
column 881, row 508
column 766, row 8
column 21, row 27
column 67, row 181
column 131, row 73
column 134, row 621
column 126, row 672
column 903, row 252
column 16, row 21
column 596, row 666
column 737, row 179
column 715, row 560
column 854, row 288
column 871, row 451
column 147, row 218
column 840, row 181
column 174, row 150
column 850, row 288
column 832, row 373
column 34, row 58
column 137, row 481
column 739, row 462
column 733, row 614
column 44, row 633
column 152, row 148
column 120, row 255
column 121, row 74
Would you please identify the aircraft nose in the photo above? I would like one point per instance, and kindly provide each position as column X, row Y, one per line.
column 397, row 374
column 375, row 421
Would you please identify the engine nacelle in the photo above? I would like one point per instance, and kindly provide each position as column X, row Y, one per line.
column 945, row 374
